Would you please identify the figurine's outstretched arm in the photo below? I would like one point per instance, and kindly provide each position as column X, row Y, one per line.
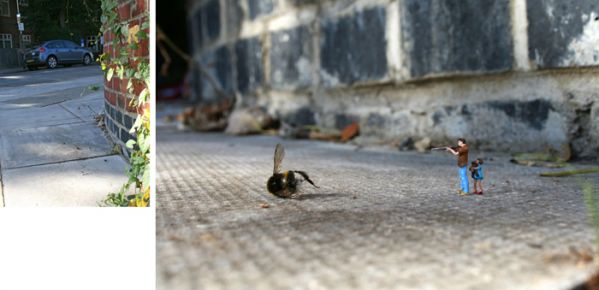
column 452, row 151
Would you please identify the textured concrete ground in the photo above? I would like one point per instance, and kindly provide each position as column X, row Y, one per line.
column 381, row 219
column 52, row 153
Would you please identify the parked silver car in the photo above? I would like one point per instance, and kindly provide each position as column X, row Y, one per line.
column 57, row 52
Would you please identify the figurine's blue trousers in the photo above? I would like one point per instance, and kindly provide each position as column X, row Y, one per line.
column 463, row 171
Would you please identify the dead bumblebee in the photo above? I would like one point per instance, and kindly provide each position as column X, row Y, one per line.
column 285, row 184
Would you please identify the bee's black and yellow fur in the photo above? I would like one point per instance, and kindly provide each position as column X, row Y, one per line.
column 285, row 184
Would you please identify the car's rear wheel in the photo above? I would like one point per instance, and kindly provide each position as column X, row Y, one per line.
column 52, row 62
column 87, row 59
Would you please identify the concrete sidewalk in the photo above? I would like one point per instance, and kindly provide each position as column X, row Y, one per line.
column 52, row 153
column 382, row 219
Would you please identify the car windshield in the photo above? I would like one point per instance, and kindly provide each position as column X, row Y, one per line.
column 69, row 44
column 54, row 44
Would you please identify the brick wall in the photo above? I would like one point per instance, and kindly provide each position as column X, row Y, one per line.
column 120, row 116
column 515, row 75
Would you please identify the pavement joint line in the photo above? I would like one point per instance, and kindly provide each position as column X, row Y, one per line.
column 78, row 117
column 91, row 109
column 81, row 95
column 62, row 161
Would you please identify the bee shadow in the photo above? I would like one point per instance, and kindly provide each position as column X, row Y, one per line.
column 308, row 196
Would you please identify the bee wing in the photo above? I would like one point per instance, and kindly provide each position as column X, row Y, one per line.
column 279, row 154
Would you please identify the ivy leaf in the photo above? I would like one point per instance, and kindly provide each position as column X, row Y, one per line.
column 143, row 96
column 133, row 46
column 130, row 72
column 109, row 74
column 144, row 143
column 120, row 70
column 142, row 34
column 125, row 30
column 136, row 125
column 146, row 177
column 130, row 144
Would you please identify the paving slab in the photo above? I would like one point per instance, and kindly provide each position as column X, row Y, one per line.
column 382, row 219
column 36, row 117
column 47, row 98
column 86, row 107
column 67, row 184
column 34, row 146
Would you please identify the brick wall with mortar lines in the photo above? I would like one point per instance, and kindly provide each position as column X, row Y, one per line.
column 120, row 115
column 515, row 75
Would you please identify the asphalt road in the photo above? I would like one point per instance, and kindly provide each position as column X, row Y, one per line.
column 47, row 76
column 382, row 219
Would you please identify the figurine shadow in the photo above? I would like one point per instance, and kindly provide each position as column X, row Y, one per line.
column 308, row 196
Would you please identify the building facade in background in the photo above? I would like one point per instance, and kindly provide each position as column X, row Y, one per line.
column 10, row 37
column 507, row 75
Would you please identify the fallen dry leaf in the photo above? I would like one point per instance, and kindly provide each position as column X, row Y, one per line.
column 207, row 117
column 316, row 135
column 352, row 130
column 247, row 121
column 207, row 237
column 264, row 205
column 176, row 238
column 575, row 256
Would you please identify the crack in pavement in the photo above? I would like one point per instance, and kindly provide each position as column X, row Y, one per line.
column 76, row 116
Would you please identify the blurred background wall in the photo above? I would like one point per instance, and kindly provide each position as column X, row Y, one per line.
column 510, row 75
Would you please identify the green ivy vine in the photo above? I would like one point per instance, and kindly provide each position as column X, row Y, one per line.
column 124, row 64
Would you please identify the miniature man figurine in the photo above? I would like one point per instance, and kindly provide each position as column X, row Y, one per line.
column 462, row 152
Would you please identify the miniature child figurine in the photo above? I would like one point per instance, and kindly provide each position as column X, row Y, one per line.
column 473, row 170
column 477, row 174
column 462, row 153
